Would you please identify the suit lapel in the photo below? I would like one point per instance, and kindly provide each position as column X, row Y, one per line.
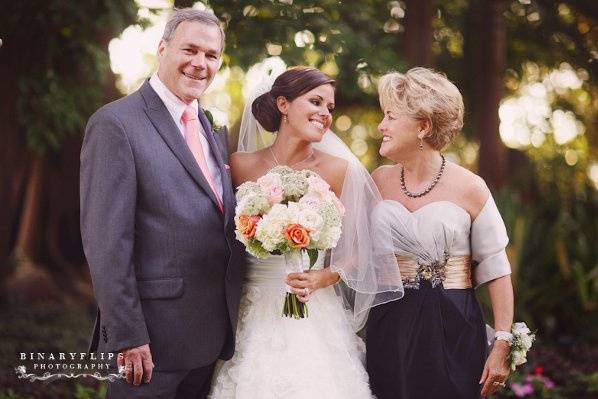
column 162, row 120
column 227, row 185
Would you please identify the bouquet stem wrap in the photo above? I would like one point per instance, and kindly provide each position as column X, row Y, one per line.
column 296, row 262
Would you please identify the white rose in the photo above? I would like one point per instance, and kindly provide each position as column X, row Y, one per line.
column 317, row 185
column 520, row 328
column 310, row 219
column 310, row 202
column 519, row 357
column 526, row 341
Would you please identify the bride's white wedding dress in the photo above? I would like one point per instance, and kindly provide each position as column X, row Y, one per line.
column 278, row 357
column 319, row 356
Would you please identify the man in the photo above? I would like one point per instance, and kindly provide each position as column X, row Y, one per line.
column 157, row 209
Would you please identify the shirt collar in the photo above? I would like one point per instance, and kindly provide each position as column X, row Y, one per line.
column 175, row 105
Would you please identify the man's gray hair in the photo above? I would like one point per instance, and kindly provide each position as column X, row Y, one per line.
column 179, row 15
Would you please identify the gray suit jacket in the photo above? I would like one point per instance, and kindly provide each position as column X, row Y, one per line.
column 165, row 265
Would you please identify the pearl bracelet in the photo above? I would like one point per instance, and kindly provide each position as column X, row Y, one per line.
column 503, row 336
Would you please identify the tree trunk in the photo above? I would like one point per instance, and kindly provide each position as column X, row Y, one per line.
column 417, row 46
column 30, row 282
column 12, row 147
column 489, row 58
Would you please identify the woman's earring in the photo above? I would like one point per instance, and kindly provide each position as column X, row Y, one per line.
column 285, row 118
column 421, row 144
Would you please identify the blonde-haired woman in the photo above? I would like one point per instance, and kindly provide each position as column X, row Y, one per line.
column 448, row 237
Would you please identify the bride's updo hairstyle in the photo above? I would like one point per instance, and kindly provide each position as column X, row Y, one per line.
column 292, row 83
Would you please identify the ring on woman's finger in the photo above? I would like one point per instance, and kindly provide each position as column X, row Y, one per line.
column 306, row 291
column 498, row 383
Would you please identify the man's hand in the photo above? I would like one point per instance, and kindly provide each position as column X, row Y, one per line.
column 137, row 363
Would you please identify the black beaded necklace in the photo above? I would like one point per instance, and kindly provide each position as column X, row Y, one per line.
column 430, row 187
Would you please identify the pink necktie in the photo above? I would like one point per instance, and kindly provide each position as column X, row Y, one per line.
column 191, row 123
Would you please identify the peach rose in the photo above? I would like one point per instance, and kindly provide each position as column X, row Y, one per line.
column 297, row 235
column 248, row 224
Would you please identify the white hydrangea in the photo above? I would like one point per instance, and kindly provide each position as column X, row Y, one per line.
column 295, row 185
column 311, row 220
column 270, row 229
column 252, row 204
column 248, row 188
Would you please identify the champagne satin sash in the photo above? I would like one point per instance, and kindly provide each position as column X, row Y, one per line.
column 454, row 273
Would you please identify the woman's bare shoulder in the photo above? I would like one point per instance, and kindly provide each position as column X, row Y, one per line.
column 384, row 174
column 472, row 189
column 333, row 163
column 246, row 166
column 334, row 170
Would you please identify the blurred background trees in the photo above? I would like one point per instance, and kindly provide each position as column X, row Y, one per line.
column 527, row 69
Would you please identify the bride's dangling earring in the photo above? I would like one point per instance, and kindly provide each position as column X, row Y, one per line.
column 285, row 118
column 421, row 144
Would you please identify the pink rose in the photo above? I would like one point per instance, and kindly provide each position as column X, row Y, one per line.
column 271, row 184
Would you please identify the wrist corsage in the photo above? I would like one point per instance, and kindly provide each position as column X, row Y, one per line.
column 520, row 339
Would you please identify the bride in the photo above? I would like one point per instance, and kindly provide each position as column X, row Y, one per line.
column 319, row 356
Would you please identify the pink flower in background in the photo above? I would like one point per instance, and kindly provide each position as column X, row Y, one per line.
column 547, row 382
column 522, row 390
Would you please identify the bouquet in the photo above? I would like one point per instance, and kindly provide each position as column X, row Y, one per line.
column 521, row 343
column 291, row 213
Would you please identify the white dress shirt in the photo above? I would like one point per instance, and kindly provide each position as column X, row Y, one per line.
column 176, row 107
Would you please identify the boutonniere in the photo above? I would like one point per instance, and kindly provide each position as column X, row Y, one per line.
column 216, row 127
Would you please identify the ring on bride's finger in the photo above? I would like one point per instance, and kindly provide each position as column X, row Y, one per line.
column 306, row 291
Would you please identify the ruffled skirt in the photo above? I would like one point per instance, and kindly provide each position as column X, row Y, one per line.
column 277, row 357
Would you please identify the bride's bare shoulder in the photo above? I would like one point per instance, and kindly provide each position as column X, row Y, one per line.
column 245, row 165
column 333, row 163
column 334, row 170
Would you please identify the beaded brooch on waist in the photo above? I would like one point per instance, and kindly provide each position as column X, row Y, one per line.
column 453, row 272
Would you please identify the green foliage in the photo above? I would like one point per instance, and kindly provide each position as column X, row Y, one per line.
column 331, row 35
column 564, row 28
column 11, row 394
column 554, row 262
column 85, row 392
column 61, row 49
